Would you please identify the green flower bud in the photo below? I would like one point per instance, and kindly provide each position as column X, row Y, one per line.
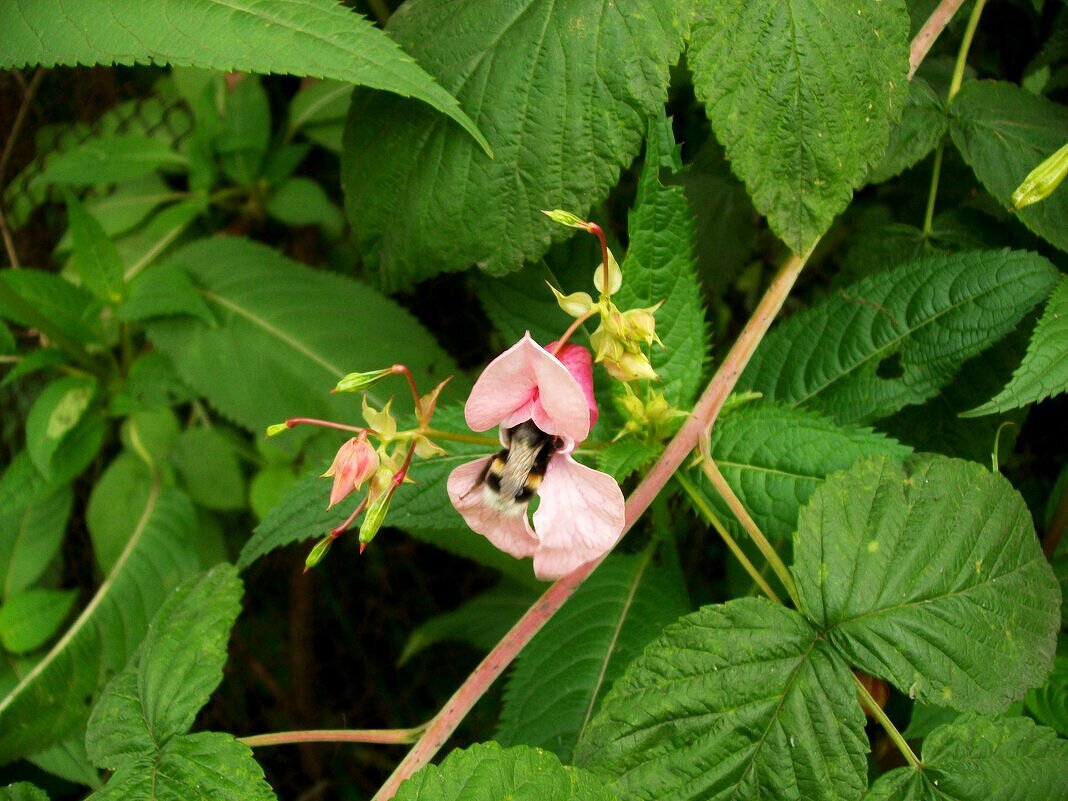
column 317, row 553
column 375, row 516
column 276, row 429
column 1042, row 180
column 354, row 382
column 566, row 218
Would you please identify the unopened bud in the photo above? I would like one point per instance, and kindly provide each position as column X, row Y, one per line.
column 374, row 517
column 639, row 325
column 317, row 553
column 1042, row 180
column 630, row 366
column 354, row 382
column 276, row 429
column 566, row 218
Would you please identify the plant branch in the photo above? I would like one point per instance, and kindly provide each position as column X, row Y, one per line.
column 965, row 46
column 5, row 157
column 887, row 724
column 712, row 472
column 379, row 736
column 930, row 31
column 735, row 548
column 701, row 418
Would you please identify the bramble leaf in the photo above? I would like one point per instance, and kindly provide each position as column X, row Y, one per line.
column 487, row 771
column 982, row 758
column 740, row 700
column 928, row 574
column 562, row 90
column 802, row 96
column 895, row 338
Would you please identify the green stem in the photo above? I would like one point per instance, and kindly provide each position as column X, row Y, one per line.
column 965, row 46
column 453, row 436
column 713, row 474
column 887, row 724
column 712, row 519
column 954, row 87
column 379, row 736
column 936, row 172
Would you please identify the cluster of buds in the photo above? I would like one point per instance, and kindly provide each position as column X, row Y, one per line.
column 378, row 455
column 621, row 338
column 653, row 417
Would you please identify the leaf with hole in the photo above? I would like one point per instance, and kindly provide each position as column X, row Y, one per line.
column 894, row 339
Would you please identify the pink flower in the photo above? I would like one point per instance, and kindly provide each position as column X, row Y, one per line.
column 580, row 514
column 355, row 462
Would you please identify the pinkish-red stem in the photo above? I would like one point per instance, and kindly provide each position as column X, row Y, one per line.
column 597, row 231
column 337, row 531
column 381, row 736
column 704, row 414
column 400, row 369
column 293, row 422
column 930, row 31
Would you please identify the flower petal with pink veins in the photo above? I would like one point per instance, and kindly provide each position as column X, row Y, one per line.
column 580, row 517
column 511, row 533
column 527, row 383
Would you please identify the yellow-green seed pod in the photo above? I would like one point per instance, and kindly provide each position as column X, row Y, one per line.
column 1042, row 180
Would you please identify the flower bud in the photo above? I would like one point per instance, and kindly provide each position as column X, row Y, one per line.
column 355, row 462
column 315, row 556
column 639, row 325
column 630, row 366
column 566, row 218
column 276, row 429
column 374, row 517
column 1042, row 180
column 354, row 382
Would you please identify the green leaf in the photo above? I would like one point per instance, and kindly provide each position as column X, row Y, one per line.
column 30, row 618
column 7, row 344
column 314, row 37
column 1043, row 373
column 149, row 243
column 659, row 267
column 268, row 487
column 929, row 575
column 622, row 458
column 108, row 159
column 71, row 309
column 295, row 331
column 485, row 771
column 302, row 201
column 481, row 622
column 1004, row 132
column 68, row 761
column 742, row 700
column 127, row 206
column 800, row 126
column 207, row 766
column 95, row 257
column 54, row 415
column 1048, row 704
column 923, row 124
column 33, row 519
column 35, row 361
column 775, row 457
column 982, row 759
column 244, row 131
column 52, row 701
column 896, row 338
column 561, row 678
column 116, row 503
column 564, row 92
column 208, row 466
column 318, row 112
column 174, row 672
column 161, row 292
column 22, row 791
column 151, row 383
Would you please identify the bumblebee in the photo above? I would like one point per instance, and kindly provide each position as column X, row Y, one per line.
column 514, row 475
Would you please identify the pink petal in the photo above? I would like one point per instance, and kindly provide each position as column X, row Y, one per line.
column 526, row 383
column 511, row 533
column 580, row 517
column 579, row 363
